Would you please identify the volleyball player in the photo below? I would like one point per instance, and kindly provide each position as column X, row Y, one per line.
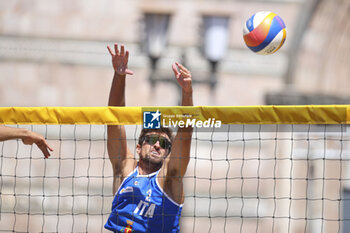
column 148, row 192
column 28, row 138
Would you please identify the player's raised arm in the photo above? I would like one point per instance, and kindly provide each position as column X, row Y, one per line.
column 119, row 155
column 184, row 78
column 182, row 142
column 28, row 138
column 178, row 160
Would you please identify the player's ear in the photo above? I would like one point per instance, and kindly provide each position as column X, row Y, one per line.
column 138, row 149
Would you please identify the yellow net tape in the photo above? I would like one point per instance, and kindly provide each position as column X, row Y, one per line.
column 309, row 114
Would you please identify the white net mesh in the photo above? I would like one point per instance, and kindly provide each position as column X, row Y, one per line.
column 246, row 178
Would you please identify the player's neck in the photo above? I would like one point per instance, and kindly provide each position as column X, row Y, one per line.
column 147, row 168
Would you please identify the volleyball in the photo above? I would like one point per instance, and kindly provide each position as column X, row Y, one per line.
column 264, row 32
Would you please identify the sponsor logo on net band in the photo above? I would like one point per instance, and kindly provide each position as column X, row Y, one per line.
column 154, row 120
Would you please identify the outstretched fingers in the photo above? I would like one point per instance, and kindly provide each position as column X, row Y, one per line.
column 183, row 77
column 122, row 50
column 182, row 68
column 120, row 59
column 44, row 147
column 185, row 73
column 126, row 57
column 116, row 49
column 176, row 72
column 110, row 51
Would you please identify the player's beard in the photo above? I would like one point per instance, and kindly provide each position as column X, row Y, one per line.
column 147, row 159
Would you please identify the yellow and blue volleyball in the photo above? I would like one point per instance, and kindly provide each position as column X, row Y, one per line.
column 264, row 32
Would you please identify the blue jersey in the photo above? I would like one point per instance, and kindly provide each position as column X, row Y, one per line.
column 140, row 205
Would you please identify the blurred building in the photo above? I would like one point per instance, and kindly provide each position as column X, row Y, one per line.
column 53, row 53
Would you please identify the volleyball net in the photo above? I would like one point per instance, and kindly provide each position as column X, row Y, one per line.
column 252, row 169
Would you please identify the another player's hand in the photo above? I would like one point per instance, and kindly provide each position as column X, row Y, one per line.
column 39, row 140
column 183, row 77
column 120, row 59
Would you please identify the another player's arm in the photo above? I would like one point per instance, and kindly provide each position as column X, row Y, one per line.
column 119, row 155
column 179, row 157
column 28, row 138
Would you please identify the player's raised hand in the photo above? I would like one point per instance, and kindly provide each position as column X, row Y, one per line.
column 120, row 59
column 183, row 77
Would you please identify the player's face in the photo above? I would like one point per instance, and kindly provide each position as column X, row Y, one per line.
column 155, row 147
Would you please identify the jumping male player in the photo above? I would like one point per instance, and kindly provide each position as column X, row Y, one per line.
column 148, row 192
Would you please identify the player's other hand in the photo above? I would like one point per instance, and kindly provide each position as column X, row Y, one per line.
column 39, row 140
column 183, row 77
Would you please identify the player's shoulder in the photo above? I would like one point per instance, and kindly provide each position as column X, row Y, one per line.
column 129, row 166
